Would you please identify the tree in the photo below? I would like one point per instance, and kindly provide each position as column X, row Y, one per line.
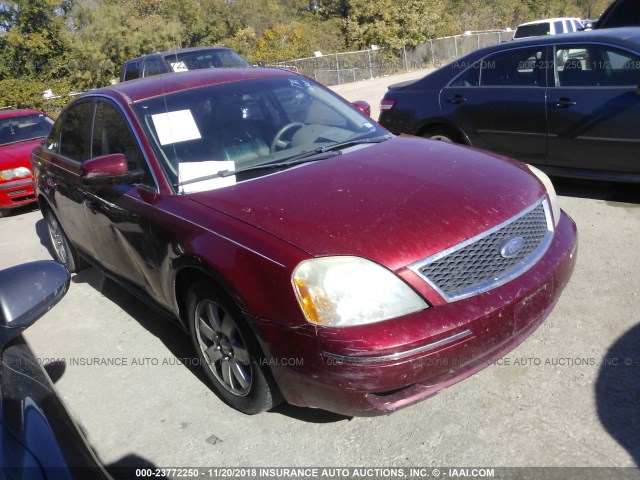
column 108, row 32
column 393, row 24
column 34, row 39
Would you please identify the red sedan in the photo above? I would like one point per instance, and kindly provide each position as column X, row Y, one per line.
column 20, row 132
column 312, row 256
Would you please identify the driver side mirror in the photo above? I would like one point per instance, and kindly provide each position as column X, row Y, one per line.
column 109, row 169
column 27, row 292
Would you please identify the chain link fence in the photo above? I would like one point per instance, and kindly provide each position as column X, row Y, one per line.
column 346, row 67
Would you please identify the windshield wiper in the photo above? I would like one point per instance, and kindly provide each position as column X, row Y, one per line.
column 351, row 143
column 307, row 157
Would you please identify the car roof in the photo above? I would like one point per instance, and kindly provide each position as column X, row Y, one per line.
column 625, row 37
column 547, row 20
column 630, row 35
column 177, row 51
column 144, row 88
column 18, row 113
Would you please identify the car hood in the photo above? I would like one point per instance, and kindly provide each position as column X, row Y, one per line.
column 17, row 154
column 395, row 202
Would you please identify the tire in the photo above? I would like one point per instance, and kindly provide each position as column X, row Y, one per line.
column 5, row 212
column 441, row 134
column 228, row 351
column 64, row 251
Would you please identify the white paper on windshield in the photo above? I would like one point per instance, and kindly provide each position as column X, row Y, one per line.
column 193, row 170
column 175, row 127
column 179, row 66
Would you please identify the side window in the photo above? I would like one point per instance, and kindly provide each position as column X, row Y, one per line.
column 132, row 70
column 558, row 27
column 470, row 78
column 523, row 68
column 596, row 66
column 154, row 66
column 53, row 139
column 111, row 134
column 74, row 133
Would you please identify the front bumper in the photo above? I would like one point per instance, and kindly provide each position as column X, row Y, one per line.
column 16, row 193
column 379, row 368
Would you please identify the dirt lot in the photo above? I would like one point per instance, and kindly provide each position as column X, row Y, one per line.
column 568, row 396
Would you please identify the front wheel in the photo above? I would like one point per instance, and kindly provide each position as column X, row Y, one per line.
column 63, row 250
column 228, row 352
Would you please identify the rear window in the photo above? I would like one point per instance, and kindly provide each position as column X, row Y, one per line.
column 535, row 30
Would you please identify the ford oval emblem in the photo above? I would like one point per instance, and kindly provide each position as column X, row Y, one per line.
column 512, row 247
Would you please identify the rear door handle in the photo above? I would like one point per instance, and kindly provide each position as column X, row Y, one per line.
column 456, row 99
column 93, row 207
column 564, row 103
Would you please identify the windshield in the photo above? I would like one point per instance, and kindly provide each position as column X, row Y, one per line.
column 24, row 127
column 199, row 59
column 239, row 125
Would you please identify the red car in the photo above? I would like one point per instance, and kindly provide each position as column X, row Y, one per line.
column 311, row 255
column 20, row 132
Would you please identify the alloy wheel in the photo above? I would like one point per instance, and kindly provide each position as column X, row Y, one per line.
column 223, row 348
column 57, row 238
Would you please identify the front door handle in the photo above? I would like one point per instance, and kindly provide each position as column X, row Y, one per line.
column 456, row 99
column 564, row 103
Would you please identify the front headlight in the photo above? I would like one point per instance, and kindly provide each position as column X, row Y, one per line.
column 551, row 192
column 14, row 173
column 347, row 291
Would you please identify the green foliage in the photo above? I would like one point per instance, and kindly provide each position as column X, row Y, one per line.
column 34, row 37
column 26, row 93
column 109, row 32
column 389, row 23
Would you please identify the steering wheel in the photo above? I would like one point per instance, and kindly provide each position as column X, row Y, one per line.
column 277, row 142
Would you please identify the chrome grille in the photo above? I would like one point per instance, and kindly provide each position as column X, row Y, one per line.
column 479, row 265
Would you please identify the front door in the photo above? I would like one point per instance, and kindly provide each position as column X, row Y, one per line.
column 594, row 109
column 500, row 103
column 118, row 215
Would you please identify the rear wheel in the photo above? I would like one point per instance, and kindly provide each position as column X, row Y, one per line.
column 64, row 252
column 228, row 352
column 443, row 134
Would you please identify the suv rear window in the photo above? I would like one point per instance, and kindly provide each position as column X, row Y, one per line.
column 535, row 30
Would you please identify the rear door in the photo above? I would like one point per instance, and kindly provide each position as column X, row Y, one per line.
column 67, row 146
column 500, row 103
column 594, row 109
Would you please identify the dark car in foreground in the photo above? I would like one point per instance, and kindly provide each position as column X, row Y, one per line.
column 568, row 103
column 181, row 60
column 20, row 132
column 311, row 255
column 620, row 13
column 38, row 437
